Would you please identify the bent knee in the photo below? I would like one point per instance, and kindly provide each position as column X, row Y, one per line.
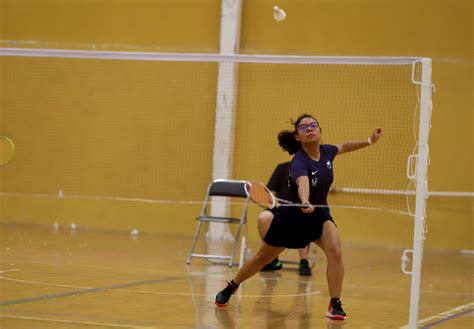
column 264, row 219
column 334, row 252
column 265, row 216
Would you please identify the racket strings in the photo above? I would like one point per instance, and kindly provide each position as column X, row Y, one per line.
column 261, row 195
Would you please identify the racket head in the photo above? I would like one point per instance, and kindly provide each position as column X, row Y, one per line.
column 7, row 150
column 261, row 195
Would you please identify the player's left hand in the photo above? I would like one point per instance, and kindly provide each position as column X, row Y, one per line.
column 378, row 132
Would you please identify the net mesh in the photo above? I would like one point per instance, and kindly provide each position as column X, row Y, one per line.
column 145, row 129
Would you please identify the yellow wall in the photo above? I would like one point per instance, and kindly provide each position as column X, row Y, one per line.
column 169, row 25
column 441, row 30
column 91, row 127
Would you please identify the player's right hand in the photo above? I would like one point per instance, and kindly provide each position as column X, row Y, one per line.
column 308, row 207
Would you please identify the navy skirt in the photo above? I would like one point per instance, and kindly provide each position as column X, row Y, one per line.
column 292, row 228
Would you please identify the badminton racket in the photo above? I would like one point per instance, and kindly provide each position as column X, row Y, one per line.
column 7, row 150
column 261, row 195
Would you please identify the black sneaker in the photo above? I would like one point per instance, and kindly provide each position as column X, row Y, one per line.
column 304, row 268
column 335, row 310
column 274, row 265
column 223, row 296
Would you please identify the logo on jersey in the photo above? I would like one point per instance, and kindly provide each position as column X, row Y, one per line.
column 314, row 172
column 314, row 181
column 328, row 164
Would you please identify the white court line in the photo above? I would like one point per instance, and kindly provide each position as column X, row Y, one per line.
column 12, row 270
column 443, row 315
column 316, row 292
column 101, row 324
column 125, row 269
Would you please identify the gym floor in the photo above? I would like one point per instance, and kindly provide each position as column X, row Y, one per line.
column 75, row 279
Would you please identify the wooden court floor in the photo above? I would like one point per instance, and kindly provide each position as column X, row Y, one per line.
column 92, row 279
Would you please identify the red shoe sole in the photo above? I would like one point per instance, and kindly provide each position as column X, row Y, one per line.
column 336, row 317
column 220, row 305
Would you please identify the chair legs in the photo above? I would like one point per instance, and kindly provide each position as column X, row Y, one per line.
column 196, row 234
column 230, row 257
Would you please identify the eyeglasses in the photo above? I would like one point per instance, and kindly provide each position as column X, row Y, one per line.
column 304, row 127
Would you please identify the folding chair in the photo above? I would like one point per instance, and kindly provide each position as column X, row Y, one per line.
column 224, row 188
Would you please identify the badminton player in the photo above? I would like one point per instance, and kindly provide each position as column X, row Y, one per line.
column 292, row 227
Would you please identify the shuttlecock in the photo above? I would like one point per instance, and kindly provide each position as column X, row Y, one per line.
column 134, row 232
column 73, row 226
column 278, row 14
column 56, row 226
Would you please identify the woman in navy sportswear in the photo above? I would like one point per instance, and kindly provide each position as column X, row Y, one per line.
column 311, row 178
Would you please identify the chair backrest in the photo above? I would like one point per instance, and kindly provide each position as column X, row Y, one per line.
column 232, row 188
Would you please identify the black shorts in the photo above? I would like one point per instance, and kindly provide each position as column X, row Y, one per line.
column 291, row 228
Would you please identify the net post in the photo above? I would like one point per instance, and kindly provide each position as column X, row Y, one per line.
column 421, row 189
column 223, row 143
column 225, row 112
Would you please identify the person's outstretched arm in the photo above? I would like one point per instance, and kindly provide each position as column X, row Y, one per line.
column 353, row 146
column 303, row 193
